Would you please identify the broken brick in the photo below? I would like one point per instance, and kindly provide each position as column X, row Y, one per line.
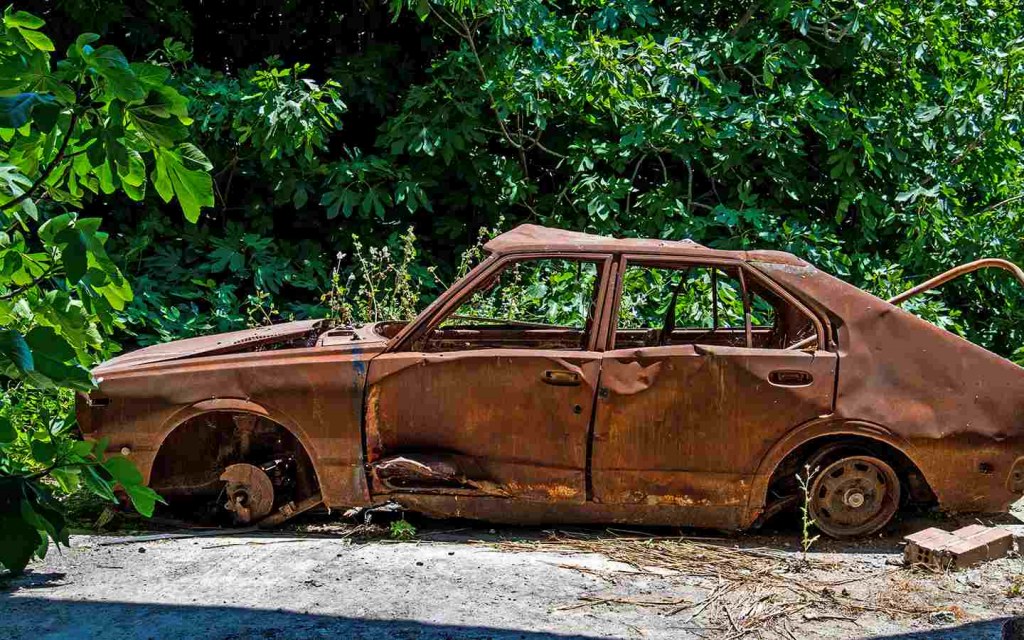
column 959, row 549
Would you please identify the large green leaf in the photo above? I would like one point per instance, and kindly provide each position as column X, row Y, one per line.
column 144, row 499
column 43, row 451
column 22, row 19
column 55, row 361
column 160, row 130
column 7, row 432
column 16, row 110
column 39, row 502
column 96, row 480
column 173, row 179
column 38, row 40
column 27, row 26
column 110, row 63
column 19, row 540
column 150, row 75
column 73, row 255
column 123, row 471
column 14, row 347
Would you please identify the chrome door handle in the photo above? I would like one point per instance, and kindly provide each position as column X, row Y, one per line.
column 790, row 378
column 560, row 378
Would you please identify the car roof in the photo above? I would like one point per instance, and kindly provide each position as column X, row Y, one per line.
column 535, row 238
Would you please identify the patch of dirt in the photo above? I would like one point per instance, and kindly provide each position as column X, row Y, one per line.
column 457, row 580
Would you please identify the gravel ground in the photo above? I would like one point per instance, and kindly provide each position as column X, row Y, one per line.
column 318, row 581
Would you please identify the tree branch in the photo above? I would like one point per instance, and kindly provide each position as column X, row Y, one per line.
column 438, row 15
column 48, row 170
column 1003, row 202
column 535, row 141
column 632, row 180
column 468, row 36
column 25, row 287
column 745, row 18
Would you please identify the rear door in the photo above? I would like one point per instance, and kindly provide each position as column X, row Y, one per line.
column 495, row 395
column 699, row 383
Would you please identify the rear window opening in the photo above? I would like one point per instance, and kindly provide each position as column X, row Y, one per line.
column 705, row 304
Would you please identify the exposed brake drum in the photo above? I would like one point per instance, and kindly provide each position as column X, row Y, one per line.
column 250, row 493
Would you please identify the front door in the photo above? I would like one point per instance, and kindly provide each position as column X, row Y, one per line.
column 495, row 394
column 699, row 384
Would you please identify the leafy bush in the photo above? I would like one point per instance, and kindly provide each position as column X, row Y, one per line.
column 880, row 142
column 73, row 132
column 42, row 459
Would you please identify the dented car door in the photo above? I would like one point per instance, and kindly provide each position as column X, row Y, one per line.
column 489, row 406
column 684, row 418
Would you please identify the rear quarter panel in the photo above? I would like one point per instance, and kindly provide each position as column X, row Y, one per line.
column 959, row 407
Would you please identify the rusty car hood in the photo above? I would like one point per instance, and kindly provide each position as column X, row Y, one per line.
column 307, row 333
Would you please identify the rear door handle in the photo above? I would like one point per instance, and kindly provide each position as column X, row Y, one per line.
column 561, row 378
column 790, row 378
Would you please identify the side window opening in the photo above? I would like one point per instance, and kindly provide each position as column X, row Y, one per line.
column 544, row 303
column 704, row 304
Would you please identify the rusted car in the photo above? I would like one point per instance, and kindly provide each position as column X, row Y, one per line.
column 573, row 378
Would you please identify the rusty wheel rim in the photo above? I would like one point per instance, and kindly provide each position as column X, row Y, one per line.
column 854, row 496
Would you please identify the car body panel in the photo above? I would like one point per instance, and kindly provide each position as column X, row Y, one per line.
column 493, row 411
column 959, row 407
column 688, row 426
column 316, row 393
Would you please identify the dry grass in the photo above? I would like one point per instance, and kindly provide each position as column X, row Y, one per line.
column 752, row 592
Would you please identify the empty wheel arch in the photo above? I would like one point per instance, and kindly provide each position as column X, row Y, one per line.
column 227, row 457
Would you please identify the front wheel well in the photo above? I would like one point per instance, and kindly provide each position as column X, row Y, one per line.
column 784, row 483
column 190, row 460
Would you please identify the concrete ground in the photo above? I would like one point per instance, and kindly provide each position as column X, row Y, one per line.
column 480, row 583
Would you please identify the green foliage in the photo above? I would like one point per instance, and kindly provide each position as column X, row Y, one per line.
column 37, row 442
column 88, row 127
column 551, row 292
column 402, row 530
column 880, row 141
column 806, row 521
column 72, row 132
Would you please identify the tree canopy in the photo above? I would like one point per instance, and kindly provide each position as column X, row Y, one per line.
column 879, row 140
column 192, row 167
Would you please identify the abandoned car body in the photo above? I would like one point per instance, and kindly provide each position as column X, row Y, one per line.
column 676, row 384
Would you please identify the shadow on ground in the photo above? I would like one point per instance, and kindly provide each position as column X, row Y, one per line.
column 41, row 618
column 990, row 630
column 45, row 619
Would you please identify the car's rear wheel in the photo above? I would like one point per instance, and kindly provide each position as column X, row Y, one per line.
column 856, row 495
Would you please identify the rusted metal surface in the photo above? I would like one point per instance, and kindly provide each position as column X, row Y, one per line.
column 315, row 393
column 290, row 510
column 687, row 426
column 851, row 496
column 249, row 492
column 495, row 409
column 528, row 423
column 958, row 272
column 953, row 407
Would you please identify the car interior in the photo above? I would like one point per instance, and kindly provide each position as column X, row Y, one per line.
column 549, row 303
column 706, row 305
